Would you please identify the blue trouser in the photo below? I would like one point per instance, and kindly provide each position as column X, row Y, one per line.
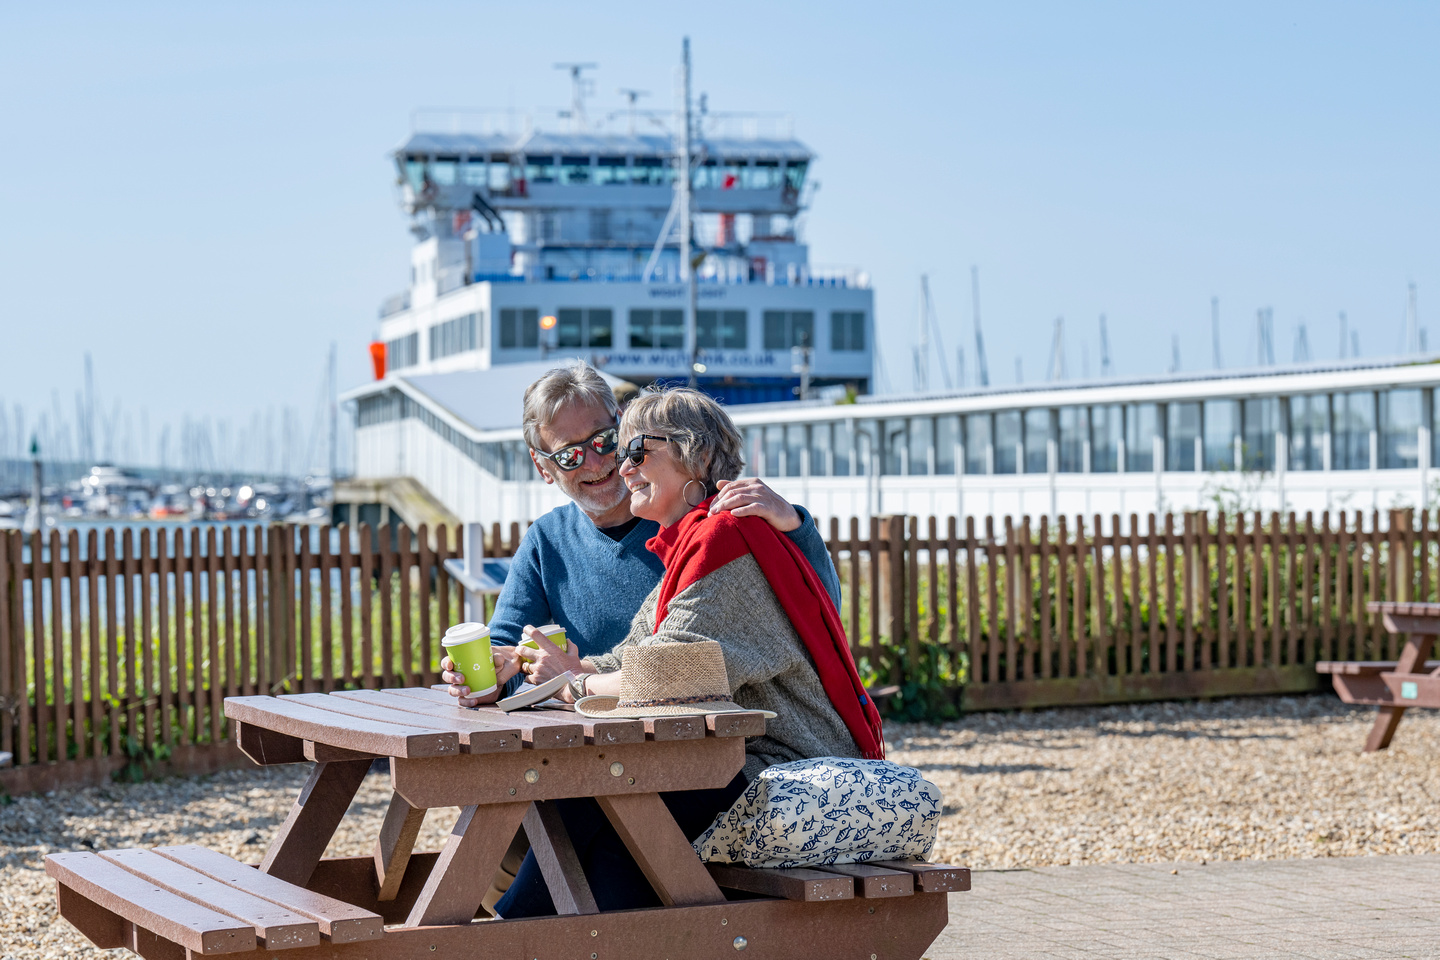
column 614, row 877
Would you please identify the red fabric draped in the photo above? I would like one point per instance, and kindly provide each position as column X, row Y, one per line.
column 700, row 544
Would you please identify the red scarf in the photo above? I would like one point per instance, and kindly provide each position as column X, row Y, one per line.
column 700, row 544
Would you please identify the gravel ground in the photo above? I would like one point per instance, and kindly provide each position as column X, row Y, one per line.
column 1261, row 778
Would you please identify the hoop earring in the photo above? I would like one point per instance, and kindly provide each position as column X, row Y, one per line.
column 685, row 493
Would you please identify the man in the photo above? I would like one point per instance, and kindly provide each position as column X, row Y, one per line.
column 585, row 565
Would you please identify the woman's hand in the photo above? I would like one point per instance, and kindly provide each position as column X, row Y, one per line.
column 505, row 668
column 548, row 661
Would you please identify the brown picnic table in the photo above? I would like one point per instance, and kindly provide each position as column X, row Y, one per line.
column 1393, row 686
column 503, row 771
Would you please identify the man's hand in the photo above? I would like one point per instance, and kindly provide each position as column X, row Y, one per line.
column 549, row 660
column 751, row 498
column 505, row 668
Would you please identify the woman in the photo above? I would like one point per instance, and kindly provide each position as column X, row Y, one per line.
column 733, row 580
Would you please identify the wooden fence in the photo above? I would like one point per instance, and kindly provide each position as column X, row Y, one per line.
column 124, row 643
column 1040, row 614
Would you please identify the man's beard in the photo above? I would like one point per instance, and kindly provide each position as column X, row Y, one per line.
column 593, row 500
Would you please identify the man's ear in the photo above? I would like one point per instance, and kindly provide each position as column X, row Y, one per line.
column 544, row 474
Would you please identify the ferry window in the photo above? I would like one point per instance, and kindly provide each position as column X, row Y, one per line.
column 540, row 169
column 415, row 173
column 1350, row 436
column 847, row 330
column 475, row 172
column 1309, row 422
column 650, row 170
column 611, row 170
column 922, row 438
column 519, row 328
column 657, row 329
column 1142, row 425
column 789, row 328
column 795, row 175
column 794, row 449
column 706, row 176
column 1105, row 433
column 761, row 175
column 1182, row 430
column 1072, row 440
column 774, row 448
column 947, row 438
column 583, row 328
column 720, row 329
column 500, row 176
column 819, row 465
column 841, row 440
column 1261, row 420
column 1399, row 429
column 1007, row 441
column 1037, row 441
column 892, row 447
column 455, row 336
column 977, row 443
column 574, row 170
column 1222, row 426
column 402, row 352
column 442, row 171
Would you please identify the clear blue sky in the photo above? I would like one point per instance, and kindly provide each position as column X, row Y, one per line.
column 199, row 194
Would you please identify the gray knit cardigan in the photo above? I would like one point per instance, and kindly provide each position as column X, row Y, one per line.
column 768, row 665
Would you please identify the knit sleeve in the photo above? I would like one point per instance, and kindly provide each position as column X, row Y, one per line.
column 735, row 606
column 641, row 626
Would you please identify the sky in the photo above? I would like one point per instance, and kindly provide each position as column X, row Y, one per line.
column 200, row 195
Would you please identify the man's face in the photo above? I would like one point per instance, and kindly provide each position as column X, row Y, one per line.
column 595, row 485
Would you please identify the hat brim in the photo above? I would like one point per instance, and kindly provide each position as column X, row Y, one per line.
column 601, row 705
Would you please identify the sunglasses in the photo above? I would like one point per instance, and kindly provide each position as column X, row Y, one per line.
column 635, row 452
column 602, row 442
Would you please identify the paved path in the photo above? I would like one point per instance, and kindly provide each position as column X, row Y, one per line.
column 1372, row 907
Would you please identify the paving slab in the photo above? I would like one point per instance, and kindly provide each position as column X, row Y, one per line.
column 1334, row 908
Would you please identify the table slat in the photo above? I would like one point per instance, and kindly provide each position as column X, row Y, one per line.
column 483, row 736
column 350, row 733
column 549, row 729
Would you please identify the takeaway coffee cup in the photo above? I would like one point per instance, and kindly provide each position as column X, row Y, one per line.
column 553, row 632
column 468, row 647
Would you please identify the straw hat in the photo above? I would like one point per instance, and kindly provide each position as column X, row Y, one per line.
column 668, row 680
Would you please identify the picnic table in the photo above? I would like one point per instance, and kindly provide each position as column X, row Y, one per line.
column 1393, row 686
column 504, row 772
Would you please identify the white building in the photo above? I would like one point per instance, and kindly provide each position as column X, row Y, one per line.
column 1353, row 435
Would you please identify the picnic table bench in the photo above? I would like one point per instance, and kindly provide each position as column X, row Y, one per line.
column 503, row 771
column 1393, row 686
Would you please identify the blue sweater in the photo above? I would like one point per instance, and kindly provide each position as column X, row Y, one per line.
column 568, row 572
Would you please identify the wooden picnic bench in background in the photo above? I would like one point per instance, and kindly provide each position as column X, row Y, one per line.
column 503, row 771
column 1393, row 686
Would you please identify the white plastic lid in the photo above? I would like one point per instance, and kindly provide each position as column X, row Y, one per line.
column 550, row 629
column 464, row 633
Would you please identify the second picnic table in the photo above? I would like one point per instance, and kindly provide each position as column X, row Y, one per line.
column 1393, row 686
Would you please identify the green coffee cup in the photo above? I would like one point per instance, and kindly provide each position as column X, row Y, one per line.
column 468, row 647
column 553, row 632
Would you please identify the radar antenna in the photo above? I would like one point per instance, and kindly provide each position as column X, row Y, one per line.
column 1057, row 352
column 580, row 88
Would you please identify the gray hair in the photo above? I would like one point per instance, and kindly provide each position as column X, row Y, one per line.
column 572, row 382
column 705, row 437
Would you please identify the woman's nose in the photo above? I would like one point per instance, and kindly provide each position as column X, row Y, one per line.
column 626, row 467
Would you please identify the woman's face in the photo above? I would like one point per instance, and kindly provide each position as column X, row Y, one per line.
column 657, row 486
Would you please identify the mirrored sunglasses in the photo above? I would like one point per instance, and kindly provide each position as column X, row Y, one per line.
column 569, row 458
column 635, row 451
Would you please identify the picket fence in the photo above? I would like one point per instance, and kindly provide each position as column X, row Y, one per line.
column 119, row 646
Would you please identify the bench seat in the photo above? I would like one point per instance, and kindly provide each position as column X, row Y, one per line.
column 843, row 881
column 1366, row 668
column 198, row 899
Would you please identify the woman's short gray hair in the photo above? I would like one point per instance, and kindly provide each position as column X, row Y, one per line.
column 575, row 381
column 705, row 438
